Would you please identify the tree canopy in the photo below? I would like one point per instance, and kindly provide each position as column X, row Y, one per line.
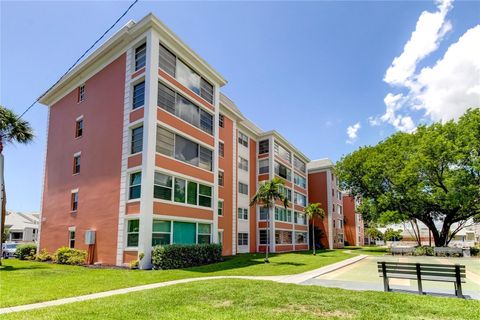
column 432, row 175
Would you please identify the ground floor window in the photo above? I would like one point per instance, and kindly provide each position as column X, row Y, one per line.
column 132, row 233
column 16, row 236
column 161, row 232
column 220, row 237
column 300, row 237
column 263, row 237
column 204, row 232
column 243, row 239
column 283, row 237
column 71, row 239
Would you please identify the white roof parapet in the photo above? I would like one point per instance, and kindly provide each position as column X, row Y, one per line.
column 320, row 164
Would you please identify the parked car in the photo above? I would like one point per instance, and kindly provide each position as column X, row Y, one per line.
column 8, row 250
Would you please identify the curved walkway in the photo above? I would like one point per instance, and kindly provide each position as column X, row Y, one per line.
column 295, row 279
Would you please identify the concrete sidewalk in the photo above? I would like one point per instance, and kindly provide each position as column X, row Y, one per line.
column 296, row 279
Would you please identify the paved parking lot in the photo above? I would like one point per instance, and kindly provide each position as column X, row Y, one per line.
column 363, row 275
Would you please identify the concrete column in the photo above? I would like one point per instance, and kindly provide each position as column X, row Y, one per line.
column 149, row 143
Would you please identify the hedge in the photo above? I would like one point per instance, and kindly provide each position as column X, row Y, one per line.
column 26, row 251
column 177, row 256
column 65, row 255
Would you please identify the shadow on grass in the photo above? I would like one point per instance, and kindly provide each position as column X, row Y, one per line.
column 29, row 267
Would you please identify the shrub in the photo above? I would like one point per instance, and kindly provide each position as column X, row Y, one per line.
column 65, row 255
column 26, row 251
column 424, row 251
column 178, row 256
column 43, row 256
column 475, row 251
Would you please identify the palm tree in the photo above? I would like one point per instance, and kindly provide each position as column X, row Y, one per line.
column 12, row 129
column 267, row 194
column 314, row 210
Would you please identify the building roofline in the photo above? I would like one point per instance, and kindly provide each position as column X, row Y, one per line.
column 114, row 46
column 320, row 165
column 277, row 135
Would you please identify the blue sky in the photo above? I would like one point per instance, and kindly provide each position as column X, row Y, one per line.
column 314, row 71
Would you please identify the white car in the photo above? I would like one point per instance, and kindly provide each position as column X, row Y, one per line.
column 8, row 250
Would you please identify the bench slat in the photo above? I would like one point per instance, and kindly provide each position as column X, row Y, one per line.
column 428, row 278
column 421, row 264
column 439, row 269
column 424, row 274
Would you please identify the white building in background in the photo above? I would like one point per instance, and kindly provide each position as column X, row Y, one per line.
column 22, row 227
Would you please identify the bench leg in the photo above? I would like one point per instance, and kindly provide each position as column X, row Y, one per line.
column 419, row 280
column 386, row 286
column 458, row 282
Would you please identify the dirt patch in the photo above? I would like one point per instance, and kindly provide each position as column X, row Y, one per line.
column 222, row 304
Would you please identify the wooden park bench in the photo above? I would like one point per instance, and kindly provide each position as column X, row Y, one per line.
column 402, row 250
column 422, row 272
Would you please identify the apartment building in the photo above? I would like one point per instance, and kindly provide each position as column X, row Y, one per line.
column 323, row 187
column 353, row 222
column 144, row 150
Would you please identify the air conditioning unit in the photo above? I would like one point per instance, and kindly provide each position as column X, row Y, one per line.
column 90, row 237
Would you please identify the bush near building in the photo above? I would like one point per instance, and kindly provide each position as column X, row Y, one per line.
column 26, row 251
column 65, row 255
column 177, row 256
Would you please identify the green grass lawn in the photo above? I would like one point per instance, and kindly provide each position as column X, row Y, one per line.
column 24, row 282
column 246, row 299
column 368, row 250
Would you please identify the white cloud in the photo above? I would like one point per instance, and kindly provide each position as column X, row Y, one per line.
column 429, row 31
column 442, row 91
column 446, row 90
column 352, row 132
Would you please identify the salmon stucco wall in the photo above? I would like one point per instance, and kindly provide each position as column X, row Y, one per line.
column 317, row 192
column 99, row 179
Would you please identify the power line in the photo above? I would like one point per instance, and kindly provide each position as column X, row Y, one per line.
column 81, row 57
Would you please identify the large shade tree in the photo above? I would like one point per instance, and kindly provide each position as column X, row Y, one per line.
column 267, row 195
column 432, row 175
column 12, row 130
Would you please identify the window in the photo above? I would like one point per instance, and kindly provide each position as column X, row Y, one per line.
column 287, row 193
column 204, row 232
column 161, row 231
column 138, row 95
column 137, row 140
column 74, row 201
column 204, row 196
column 167, row 61
column 242, row 164
column 300, row 199
column 243, row 188
column 283, row 237
column 339, row 209
column 243, row 139
column 339, row 195
column 183, row 108
column 76, row 164
column 282, row 214
column 220, row 237
column 221, row 149
column 179, row 190
column 263, row 237
column 264, row 213
column 282, row 171
column 182, row 149
column 300, row 237
column 81, row 93
column 242, row 213
column 135, row 185
column 263, row 166
column 300, row 218
column 140, row 55
column 243, row 239
column 299, row 180
column 162, row 186
column 299, row 164
column 184, row 74
column 263, row 146
column 183, row 191
column 132, row 233
column 79, row 128
column 221, row 121
column 221, row 178
column 71, row 239
column 282, row 152
column 220, row 207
